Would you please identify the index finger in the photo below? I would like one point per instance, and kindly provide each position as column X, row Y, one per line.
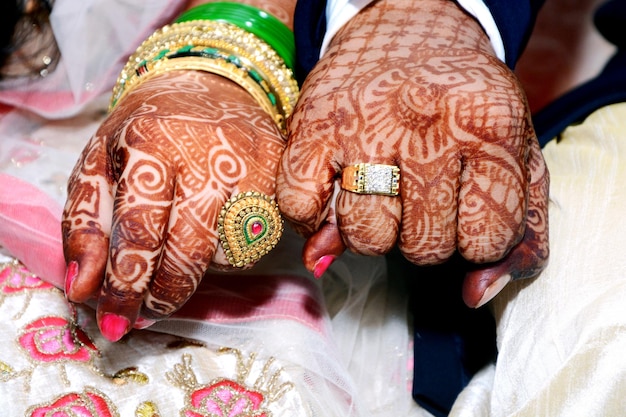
column 306, row 172
column 143, row 200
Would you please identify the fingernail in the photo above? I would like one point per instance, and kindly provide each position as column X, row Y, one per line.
column 113, row 327
column 493, row 289
column 70, row 274
column 322, row 264
column 142, row 323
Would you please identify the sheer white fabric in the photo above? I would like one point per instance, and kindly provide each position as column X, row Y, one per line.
column 94, row 37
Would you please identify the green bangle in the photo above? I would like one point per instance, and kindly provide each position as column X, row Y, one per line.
column 251, row 19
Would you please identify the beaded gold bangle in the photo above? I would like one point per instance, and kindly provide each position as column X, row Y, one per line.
column 215, row 47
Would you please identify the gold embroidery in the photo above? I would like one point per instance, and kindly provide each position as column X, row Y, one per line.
column 56, row 341
column 272, row 390
column 122, row 376
column 91, row 400
column 147, row 409
column 6, row 372
column 182, row 376
column 224, row 396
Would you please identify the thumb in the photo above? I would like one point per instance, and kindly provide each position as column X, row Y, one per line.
column 524, row 261
column 529, row 257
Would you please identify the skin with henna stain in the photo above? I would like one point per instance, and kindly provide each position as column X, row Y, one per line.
column 417, row 85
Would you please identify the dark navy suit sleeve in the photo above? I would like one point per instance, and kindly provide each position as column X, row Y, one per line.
column 309, row 28
column 515, row 20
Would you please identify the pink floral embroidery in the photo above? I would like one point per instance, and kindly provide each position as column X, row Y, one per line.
column 15, row 279
column 50, row 339
column 18, row 279
column 225, row 398
column 87, row 404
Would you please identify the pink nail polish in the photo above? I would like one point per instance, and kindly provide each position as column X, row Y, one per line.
column 70, row 275
column 494, row 289
column 322, row 265
column 142, row 323
column 113, row 327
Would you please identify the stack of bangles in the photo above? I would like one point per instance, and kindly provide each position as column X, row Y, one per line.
column 255, row 50
column 234, row 40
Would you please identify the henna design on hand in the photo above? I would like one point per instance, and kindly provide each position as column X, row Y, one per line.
column 413, row 84
column 153, row 181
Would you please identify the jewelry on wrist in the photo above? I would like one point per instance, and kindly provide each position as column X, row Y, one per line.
column 250, row 19
column 216, row 47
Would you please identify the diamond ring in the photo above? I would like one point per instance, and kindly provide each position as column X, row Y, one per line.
column 371, row 179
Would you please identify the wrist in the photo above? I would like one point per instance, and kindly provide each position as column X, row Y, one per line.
column 479, row 10
column 214, row 38
column 427, row 23
column 281, row 9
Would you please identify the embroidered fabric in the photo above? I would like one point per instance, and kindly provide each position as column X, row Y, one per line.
column 323, row 337
column 53, row 360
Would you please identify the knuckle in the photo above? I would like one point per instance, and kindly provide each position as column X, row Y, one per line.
column 369, row 241
column 299, row 209
column 430, row 254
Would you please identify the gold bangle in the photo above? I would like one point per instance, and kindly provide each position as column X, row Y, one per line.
column 231, row 40
column 214, row 66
